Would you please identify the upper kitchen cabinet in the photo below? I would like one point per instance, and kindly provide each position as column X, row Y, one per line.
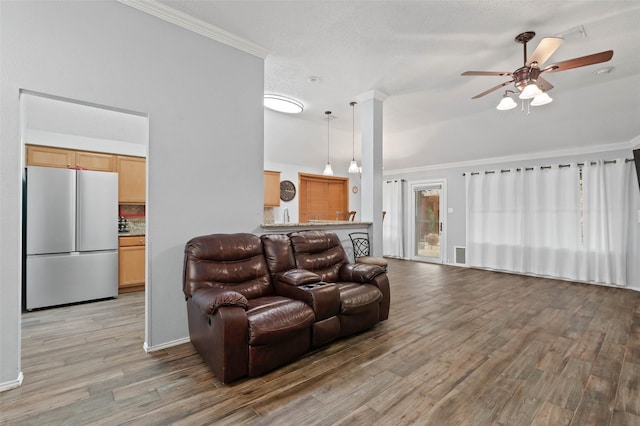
column 46, row 156
column 271, row 188
column 131, row 180
column 95, row 161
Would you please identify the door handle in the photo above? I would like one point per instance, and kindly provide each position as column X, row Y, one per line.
column 440, row 226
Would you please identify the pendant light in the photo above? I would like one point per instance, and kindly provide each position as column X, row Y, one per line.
column 328, row 171
column 353, row 166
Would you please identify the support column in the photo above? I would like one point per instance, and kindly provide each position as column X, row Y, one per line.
column 371, row 183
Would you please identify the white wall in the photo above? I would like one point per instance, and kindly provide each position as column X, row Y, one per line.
column 456, row 221
column 194, row 90
column 67, row 123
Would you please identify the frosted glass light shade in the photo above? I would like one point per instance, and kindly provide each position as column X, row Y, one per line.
column 506, row 103
column 328, row 171
column 353, row 167
column 541, row 99
column 282, row 104
column 530, row 91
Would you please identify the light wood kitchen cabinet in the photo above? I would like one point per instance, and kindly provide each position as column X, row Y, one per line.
column 131, row 180
column 46, row 156
column 131, row 260
column 271, row 188
column 96, row 161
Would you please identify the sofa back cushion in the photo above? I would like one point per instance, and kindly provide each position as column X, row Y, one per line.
column 320, row 252
column 230, row 261
column 278, row 252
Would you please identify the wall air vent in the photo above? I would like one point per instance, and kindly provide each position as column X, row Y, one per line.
column 460, row 255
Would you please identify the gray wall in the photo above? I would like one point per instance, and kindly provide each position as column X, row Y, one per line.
column 204, row 169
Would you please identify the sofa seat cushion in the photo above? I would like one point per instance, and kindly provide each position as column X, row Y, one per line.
column 275, row 318
column 356, row 298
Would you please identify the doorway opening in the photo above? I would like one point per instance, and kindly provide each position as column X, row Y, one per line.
column 62, row 133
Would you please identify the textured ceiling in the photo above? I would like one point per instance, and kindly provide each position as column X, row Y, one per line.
column 414, row 51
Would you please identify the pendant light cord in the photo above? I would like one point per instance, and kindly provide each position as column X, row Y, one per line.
column 353, row 131
column 328, row 119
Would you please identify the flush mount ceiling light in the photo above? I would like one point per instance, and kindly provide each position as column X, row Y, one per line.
column 282, row 104
column 353, row 166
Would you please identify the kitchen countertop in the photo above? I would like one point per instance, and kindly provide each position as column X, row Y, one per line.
column 131, row 234
column 318, row 223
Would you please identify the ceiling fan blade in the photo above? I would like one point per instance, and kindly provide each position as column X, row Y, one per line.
column 492, row 89
column 582, row 61
column 544, row 85
column 545, row 49
column 497, row 73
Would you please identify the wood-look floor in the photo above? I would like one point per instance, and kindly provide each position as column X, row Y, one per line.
column 461, row 347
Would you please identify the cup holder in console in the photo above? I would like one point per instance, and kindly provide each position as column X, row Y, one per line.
column 312, row 286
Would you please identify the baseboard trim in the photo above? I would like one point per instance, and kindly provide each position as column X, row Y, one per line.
column 12, row 384
column 176, row 342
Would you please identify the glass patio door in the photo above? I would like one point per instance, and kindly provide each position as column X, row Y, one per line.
column 427, row 236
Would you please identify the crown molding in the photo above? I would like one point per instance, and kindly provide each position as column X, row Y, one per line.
column 513, row 158
column 372, row 94
column 196, row 25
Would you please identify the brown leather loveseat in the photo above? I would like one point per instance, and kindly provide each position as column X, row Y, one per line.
column 256, row 303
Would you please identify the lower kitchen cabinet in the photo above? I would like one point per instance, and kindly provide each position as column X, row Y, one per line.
column 131, row 263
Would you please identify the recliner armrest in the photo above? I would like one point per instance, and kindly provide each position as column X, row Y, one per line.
column 209, row 300
column 297, row 277
column 360, row 272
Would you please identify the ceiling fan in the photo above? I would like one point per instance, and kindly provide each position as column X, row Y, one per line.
column 527, row 78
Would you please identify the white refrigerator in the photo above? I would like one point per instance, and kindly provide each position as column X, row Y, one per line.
column 71, row 236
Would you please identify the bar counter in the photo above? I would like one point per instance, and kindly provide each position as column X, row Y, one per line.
column 316, row 224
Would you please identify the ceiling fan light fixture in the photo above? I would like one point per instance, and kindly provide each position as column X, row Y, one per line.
column 531, row 90
column 541, row 99
column 283, row 104
column 506, row 103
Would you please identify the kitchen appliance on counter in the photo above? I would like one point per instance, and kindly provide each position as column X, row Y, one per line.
column 123, row 224
column 71, row 238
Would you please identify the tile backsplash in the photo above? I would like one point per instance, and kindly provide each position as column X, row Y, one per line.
column 269, row 213
column 135, row 214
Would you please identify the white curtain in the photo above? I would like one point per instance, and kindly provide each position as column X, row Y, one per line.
column 392, row 225
column 524, row 221
column 552, row 222
column 606, row 221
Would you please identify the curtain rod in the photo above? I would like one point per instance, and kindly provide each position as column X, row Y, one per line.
column 593, row 163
